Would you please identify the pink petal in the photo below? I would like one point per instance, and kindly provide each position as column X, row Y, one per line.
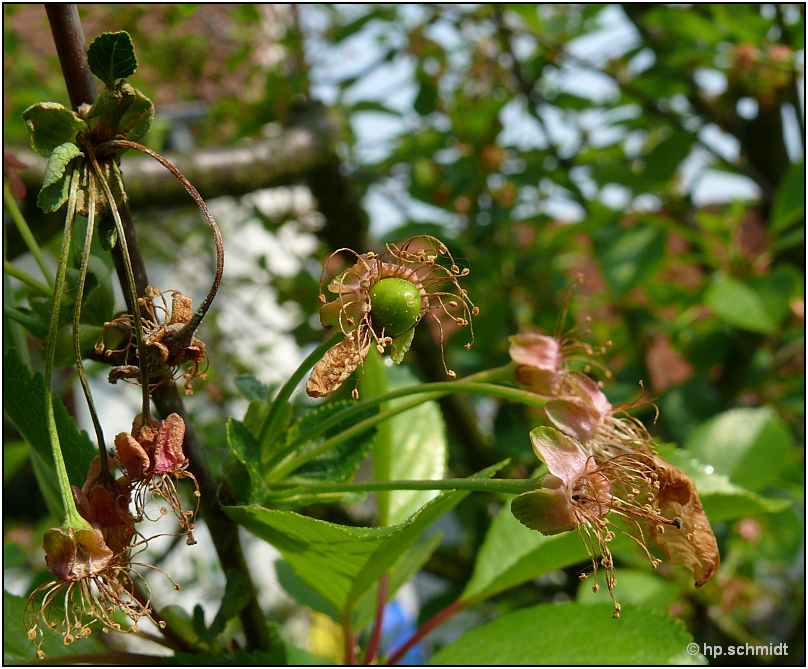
column 589, row 391
column 536, row 350
column 572, row 417
column 564, row 457
column 168, row 455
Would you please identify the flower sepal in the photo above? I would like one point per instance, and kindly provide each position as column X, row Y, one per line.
column 72, row 554
column 546, row 510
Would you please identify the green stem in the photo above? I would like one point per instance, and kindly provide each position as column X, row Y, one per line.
column 85, row 386
column 25, row 233
column 374, row 384
column 72, row 517
column 27, row 279
column 507, row 486
column 428, row 391
column 276, row 410
column 130, row 280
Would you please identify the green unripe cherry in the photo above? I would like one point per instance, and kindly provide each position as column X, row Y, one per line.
column 395, row 305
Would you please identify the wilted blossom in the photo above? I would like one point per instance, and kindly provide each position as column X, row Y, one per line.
column 92, row 584
column 153, row 460
column 650, row 499
column 104, row 503
column 381, row 299
column 167, row 340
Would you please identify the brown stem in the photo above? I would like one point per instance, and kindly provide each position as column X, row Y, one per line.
column 71, row 47
column 167, row 398
column 376, row 636
column 435, row 621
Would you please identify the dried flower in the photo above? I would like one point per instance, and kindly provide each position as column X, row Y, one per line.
column 168, row 342
column 153, row 461
column 651, row 499
column 382, row 298
column 92, row 584
column 104, row 503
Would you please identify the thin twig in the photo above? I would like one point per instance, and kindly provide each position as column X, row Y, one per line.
column 376, row 636
column 435, row 621
column 190, row 328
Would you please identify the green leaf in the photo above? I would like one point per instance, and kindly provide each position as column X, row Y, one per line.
column 573, row 634
column 419, row 450
column 337, row 561
column 56, row 185
column 629, row 256
column 24, row 404
column 427, row 99
column 53, row 195
column 274, row 657
column 401, row 572
column 512, row 554
column 122, row 111
column 17, row 649
column 341, row 462
column 107, row 231
column 15, row 453
column 758, row 304
column 51, row 125
column 750, row 446
column 722, row 499
column 642, row 588
column 138, row 117
column 234, row 600
column 373, row 106
column 99, row 299
column 662, row 162
column 789, row 201
column 111, row 57
column 252, row 388
column 244, row 446
column 64, row 355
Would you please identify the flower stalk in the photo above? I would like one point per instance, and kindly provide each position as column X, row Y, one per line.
column 73, row 519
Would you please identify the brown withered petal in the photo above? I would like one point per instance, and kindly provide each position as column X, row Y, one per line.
column 337, row 365
column 693, row 546
column 134, row 459
column 168, row 455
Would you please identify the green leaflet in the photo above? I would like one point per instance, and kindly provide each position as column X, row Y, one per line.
column 111, row 57
column 51, row 125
